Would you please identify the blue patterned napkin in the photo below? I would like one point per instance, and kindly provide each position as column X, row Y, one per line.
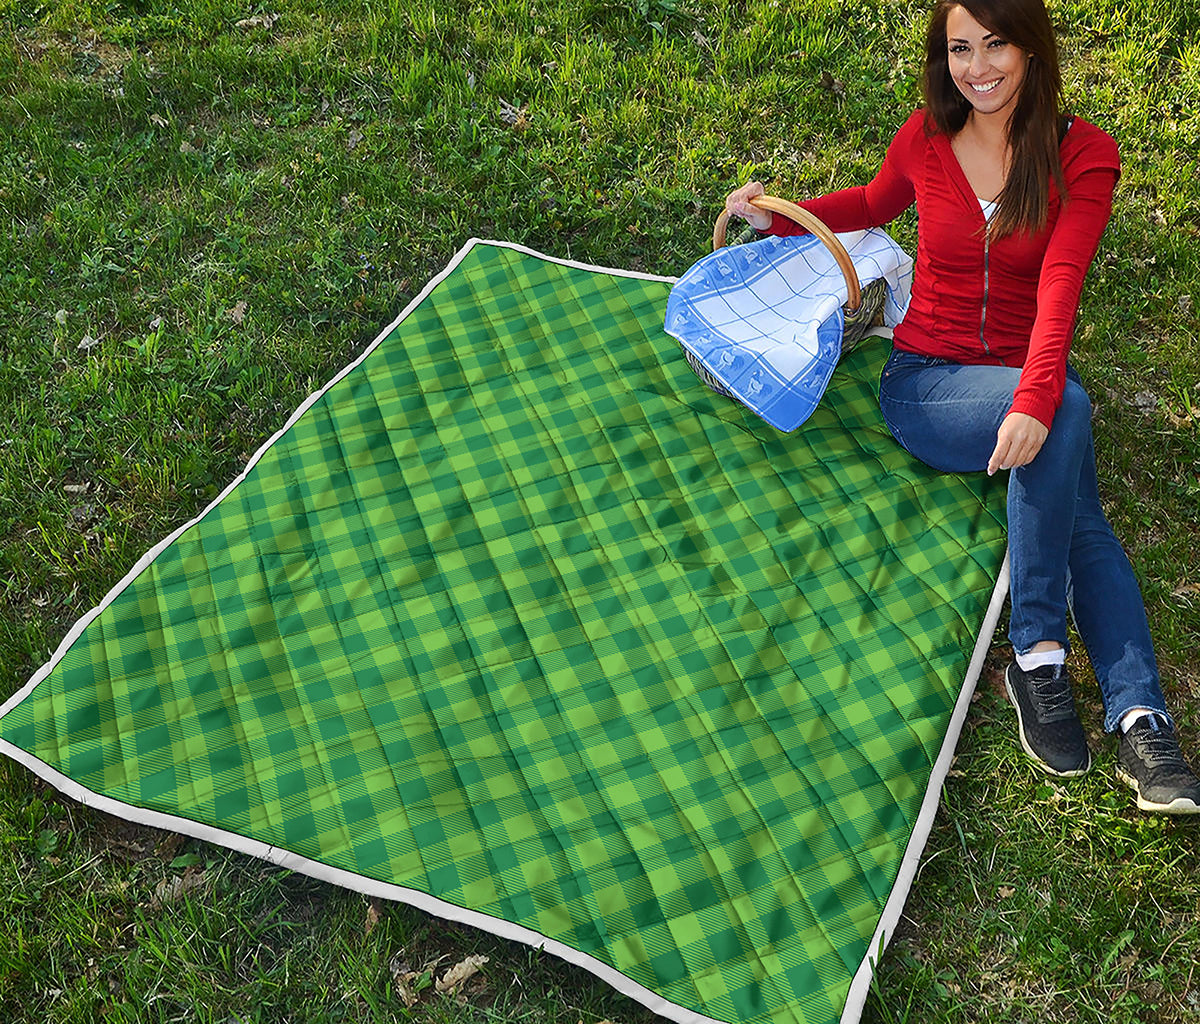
column 765, row 319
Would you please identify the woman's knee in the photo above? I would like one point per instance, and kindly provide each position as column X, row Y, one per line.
column 1070, row 437
column 1073, row 420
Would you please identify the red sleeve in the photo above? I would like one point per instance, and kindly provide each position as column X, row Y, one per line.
column 1069, row 253
column 881, row 201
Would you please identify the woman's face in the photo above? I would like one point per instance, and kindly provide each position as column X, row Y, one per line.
column 987, row 69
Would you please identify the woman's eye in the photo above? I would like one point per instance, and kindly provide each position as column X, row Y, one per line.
column 958, row 48
column 995, row 44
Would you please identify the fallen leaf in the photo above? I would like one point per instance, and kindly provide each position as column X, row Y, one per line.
column 257, row 21
column 405, row 990
column 87, row 342
column 60, row 317
column 514, row 116
column 405, row 979
column 460, row 972
column 132, row 851
column 169, row 846
column 238, row 313
column 158, row 120
column 1006, row 891
column 186, row 147
column 831, row 84
column 76, row 488
column 994, row 669
column 355, row 138
column 372, row 917
column 1146, row 401
column 171, row 889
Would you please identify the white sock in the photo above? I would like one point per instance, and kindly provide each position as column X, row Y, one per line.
column 1130, row 717
column 1036, row 659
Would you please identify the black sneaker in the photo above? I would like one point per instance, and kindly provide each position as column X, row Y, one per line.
column 1149, row 760
column 1051, row 732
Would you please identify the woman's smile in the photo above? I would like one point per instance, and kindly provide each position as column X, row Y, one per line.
column 986, row 69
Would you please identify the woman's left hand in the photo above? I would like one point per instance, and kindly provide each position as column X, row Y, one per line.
column 1018, row 441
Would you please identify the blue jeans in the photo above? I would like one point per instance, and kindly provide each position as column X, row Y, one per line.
column 1062, row 549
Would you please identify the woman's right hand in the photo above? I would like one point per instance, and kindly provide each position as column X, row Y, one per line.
column 737, row 204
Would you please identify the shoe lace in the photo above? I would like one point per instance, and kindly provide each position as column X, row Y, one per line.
column 1053, row 693
column 1158, row 749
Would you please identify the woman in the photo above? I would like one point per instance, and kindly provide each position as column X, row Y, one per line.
column 1012, row 198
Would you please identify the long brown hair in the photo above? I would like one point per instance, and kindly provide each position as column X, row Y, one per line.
column 1036, row 123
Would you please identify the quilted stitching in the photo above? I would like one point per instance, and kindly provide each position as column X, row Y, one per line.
column 521, row 616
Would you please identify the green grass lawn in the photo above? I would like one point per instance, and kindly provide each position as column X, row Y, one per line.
column 201, row 222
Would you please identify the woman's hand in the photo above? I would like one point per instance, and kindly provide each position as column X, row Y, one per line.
column 1018, row 441
column 737, row 203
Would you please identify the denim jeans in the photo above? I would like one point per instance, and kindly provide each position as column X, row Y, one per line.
column 1062, row 549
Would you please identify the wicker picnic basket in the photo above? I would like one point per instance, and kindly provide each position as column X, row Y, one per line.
column 861, row 310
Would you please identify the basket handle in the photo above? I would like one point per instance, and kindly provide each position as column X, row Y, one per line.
column 806, row 220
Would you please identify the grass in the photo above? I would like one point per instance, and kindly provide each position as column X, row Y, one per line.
column 200, row 223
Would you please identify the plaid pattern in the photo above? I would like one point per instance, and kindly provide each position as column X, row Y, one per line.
column 520, row 615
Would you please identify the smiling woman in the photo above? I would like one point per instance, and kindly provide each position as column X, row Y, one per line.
column 1012, row 198
column 988, row 70
column 997, row 90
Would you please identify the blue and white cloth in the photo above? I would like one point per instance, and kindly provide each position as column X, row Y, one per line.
column 765, row 319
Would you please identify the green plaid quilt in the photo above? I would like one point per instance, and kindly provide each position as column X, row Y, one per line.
column 517, row 621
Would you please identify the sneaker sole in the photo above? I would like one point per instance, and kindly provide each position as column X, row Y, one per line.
column 1180, row 805
column 1073, row 773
